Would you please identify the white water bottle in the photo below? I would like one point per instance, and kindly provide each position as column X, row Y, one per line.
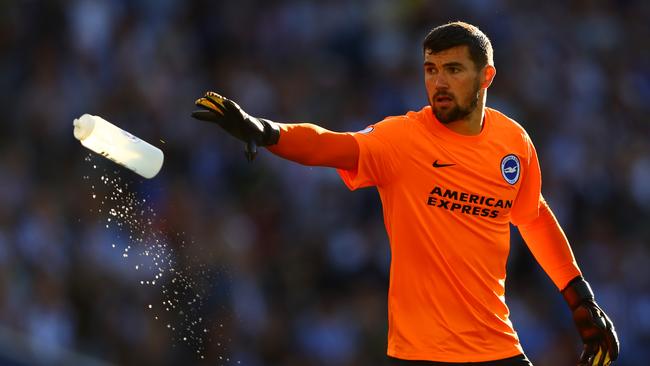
column 112, row 142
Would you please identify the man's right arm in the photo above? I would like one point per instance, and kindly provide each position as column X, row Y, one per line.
column 303, row 143
column 309, row 144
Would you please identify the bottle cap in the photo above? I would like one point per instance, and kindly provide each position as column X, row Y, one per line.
column 83, row 126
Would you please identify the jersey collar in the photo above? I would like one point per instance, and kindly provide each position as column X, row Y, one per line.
column 440, row 130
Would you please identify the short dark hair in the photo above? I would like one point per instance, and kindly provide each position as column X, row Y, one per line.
column 460, row 34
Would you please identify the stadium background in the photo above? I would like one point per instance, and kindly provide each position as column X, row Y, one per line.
column 301, row 263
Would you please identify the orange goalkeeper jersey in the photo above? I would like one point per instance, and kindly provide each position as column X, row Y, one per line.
column 447, row 201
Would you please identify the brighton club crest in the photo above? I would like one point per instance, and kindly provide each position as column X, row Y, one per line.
column 510, row 168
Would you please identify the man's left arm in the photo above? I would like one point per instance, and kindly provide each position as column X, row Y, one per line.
column 549, row 245
column 551, row 249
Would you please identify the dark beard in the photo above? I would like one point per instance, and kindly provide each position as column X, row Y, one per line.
column 457, row 113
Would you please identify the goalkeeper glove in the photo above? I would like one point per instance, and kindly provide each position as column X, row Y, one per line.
column 595, row 328
column 227, row 114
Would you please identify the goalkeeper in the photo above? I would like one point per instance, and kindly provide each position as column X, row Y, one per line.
column 451, row 177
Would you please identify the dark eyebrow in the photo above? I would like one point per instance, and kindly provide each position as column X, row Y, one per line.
column 448, row 64
column 453, row 64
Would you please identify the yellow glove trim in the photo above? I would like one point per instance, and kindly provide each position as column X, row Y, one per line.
column 211, row 105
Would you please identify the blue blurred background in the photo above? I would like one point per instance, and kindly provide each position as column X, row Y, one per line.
column 299, row 263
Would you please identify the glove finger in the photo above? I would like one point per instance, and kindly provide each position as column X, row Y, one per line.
column 587, row 354
column 608, row 352
column 226, row 104
column 611, row 341
column 216, row 100
column 607, row 360
column 205, row 115
column 599, row 357
column 213, row 94
column 210, row 104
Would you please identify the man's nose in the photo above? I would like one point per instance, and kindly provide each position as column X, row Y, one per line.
column 440, row 81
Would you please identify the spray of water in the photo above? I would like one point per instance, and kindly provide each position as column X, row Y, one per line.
column 159, row 263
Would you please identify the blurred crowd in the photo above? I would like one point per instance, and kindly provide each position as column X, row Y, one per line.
column 299, row 265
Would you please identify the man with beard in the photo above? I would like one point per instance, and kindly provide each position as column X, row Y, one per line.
column 451, row 177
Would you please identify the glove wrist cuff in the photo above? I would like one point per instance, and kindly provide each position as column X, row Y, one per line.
column 271, row 132
column 576, row 292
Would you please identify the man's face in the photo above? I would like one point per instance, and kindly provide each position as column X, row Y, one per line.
column 453, row 83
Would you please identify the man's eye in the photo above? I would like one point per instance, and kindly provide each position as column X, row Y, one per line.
column 454, row 70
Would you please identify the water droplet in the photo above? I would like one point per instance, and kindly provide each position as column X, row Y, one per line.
column 137, row 266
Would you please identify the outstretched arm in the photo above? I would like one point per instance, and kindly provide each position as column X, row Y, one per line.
column 303, row 143
column 309, row 144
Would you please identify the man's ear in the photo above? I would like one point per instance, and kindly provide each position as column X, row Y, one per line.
column 488, row 75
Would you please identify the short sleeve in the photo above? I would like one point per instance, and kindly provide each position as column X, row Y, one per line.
column 527, row 203
column 378, row 154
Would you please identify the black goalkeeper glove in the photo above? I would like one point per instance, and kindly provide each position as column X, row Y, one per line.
column 227, row 114
column 595, row 328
